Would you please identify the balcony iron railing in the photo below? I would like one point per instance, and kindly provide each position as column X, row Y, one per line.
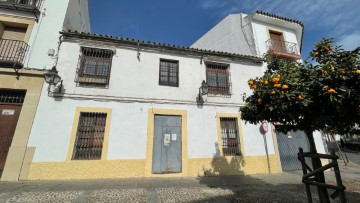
column 283, row 47
column 22, row 5
column 12, row 53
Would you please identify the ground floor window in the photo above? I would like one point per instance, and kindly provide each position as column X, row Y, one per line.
column 230, row 136
column 90, row 136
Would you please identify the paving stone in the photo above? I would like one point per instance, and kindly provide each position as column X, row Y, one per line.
column 183, row 195
column 116, row 195
column 32, row 197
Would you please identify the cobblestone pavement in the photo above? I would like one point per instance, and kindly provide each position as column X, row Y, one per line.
column 274, row 188
column 199, row 194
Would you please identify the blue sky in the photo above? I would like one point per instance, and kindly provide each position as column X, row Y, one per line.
column 182, row 22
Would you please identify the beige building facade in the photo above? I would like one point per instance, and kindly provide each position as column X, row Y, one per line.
column 29, row 32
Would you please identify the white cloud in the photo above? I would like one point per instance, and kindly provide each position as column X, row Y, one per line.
column 210, row 4
column 350, row 42
column 335, row 17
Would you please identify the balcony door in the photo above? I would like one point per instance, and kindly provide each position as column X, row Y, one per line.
column 12, row 47
column 14, row 33
column 277, row 41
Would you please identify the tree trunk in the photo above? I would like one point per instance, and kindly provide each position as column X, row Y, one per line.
column 323, row 193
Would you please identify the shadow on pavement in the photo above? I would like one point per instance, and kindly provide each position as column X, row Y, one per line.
column 245, row 188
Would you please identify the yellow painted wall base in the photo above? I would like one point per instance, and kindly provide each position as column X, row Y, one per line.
column 87, row 169
column 136, row 168
column 232, row 165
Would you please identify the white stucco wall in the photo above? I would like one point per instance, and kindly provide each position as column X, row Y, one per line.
column 131, row 78
column 261, row 35
column 128, row 132
column 228, row 36
column 320, row 148
column 77, row 16
column 45, row 34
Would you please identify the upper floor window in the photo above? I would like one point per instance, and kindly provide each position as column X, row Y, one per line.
column 169, row 73
column 277, row 45
column 95, row 66
column 277, row 41
column 90, row 136
column 218, row 78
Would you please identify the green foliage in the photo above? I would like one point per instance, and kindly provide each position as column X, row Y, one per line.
column 303, row 96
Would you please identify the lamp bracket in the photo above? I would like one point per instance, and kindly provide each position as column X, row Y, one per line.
column 17, row 73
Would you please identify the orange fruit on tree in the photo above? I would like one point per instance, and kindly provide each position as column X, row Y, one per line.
column 275, row 80
column 277, row 85
column 250, row 82
column 326, row 87
column 253, row 87
column 266, row 82
column 299, row 97
column 259, row 100
column 332, row 67
column 357, row 72
column 284, row 87
column 331, row 91
column 273, row 92
column 278, row 76
column 316, row 54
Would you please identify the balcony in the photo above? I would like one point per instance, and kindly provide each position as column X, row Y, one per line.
column 32, row 6
column 283, row 48
column 12, row 53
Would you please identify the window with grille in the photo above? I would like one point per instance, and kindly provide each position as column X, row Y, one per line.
column 12, row 96
column 218, row 78
column 169, row 73
column 230, row 136
column 90, row 136
column 95, row 66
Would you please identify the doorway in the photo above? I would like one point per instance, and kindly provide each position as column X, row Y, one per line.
column 167, row 144
column 10, row 108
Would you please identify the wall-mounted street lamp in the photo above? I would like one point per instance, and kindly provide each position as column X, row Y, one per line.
column 53, row 79
column 203, row 90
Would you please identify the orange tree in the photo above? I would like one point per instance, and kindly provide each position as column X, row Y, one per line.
column 323, row 95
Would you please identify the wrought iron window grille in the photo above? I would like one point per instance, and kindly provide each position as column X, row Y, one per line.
column 90, row 136
column 94, row 66
column 230, row 136
column 282, row 46
column 12, row 96
column 12, row 53
column 218, row 79
column 32, row 6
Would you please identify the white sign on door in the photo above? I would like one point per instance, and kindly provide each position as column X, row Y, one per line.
column 166, row 139
column 8, row 112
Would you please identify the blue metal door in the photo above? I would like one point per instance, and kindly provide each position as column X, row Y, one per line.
column 289, row 145
column 167, row 144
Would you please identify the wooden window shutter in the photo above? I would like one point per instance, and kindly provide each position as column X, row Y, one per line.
column 14, row 33
column 275, row 36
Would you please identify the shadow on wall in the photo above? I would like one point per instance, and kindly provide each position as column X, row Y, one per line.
column 222, row 165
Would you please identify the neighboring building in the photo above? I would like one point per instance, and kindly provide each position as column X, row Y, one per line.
column 254, row 34
column 257, row 34
column 29, row 32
